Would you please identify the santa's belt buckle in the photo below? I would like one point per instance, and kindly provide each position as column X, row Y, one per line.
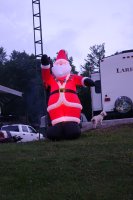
column 62, row 90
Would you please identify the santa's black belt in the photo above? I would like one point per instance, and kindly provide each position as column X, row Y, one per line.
column 63, row 90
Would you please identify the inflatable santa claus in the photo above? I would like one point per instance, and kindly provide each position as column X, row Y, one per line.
column 64, row 106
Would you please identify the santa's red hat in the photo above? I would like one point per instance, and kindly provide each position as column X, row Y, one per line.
column 62, row 54
column 61, row 67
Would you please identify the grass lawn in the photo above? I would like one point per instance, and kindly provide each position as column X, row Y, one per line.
column 97, row 166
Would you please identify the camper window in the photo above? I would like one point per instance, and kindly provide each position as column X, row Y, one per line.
column 98, row 86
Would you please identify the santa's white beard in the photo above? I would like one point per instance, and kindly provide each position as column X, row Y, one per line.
column 61, row 70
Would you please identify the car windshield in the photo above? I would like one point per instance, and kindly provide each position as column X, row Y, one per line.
column 10, row 128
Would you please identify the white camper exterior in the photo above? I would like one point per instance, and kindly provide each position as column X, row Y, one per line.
column 116, row 84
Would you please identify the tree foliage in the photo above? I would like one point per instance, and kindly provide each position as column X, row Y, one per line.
column 3, row 56
column 72, row 65
column 23, row 73
column 92, row 64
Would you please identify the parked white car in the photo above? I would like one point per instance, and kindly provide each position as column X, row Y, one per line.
column 24, row 133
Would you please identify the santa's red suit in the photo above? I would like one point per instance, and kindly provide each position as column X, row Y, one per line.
column 64, row 106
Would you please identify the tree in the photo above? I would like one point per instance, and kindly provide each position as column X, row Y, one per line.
column 2, row 56
column 73, row 67
column 92, row 64
column 85, row 98
column 24, row 66
column 23, row 72
column 97, row 53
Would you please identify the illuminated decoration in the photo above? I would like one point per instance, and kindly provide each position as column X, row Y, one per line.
column 64, row 106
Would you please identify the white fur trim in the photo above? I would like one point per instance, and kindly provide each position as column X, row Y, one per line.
column 45, row 67
column 55, row 105
column 62, row 100
column 83, row 80
column 70, row 104
column 65, row 119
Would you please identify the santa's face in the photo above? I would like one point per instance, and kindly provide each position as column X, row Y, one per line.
column 61, row 68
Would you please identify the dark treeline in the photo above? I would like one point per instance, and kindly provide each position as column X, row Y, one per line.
column 22, row 72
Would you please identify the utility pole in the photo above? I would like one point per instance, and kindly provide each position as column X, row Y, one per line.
column 37, row 27
column 38, row 44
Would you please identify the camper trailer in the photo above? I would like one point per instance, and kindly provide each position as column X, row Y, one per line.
column 114, row 85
